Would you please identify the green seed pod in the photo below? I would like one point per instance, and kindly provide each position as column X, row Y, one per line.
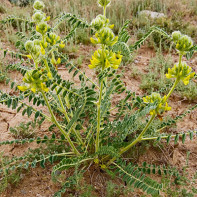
column 38, row 17
column 104, row 3
column 176, row 35
column 38, row 5
column 29, row 45
column 42, row 28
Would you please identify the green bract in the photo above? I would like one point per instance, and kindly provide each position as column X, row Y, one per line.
column 105, row 59
column 38, row 5
column 162, row 104
column 182, row 72
column 105, row 36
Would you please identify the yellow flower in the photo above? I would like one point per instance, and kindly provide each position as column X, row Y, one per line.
column 36, row 80
column 42, row 49
column 58, row 61
column 22, row 88
column 48, row 18
column 29, row 56
column 62, row 45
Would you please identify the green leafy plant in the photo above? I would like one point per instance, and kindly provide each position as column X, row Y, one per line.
column 82, row 114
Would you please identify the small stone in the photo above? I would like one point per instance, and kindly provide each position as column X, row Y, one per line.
column 23, row 191
column 153, row 15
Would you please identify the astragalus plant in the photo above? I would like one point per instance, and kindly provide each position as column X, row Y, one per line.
column 88, row 133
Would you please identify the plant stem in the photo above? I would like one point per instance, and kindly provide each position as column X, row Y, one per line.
column 139, row 137
column 173, row 87
column 99, row 117
column 58, row 125
column 104, row 11
column 68, row 120
column 64, row 110
column 177, row 79
column 123, row 150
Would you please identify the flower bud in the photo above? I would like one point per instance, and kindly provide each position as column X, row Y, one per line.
column 36, row 42
column 29, row 45
column 104, row 3
column 38, row 5
column 38, row 17
column 176, row 36
column 105, row 36
column 99, row 22
column 183, row 42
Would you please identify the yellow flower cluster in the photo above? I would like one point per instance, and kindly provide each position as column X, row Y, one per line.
column 42, row 28
column 34, row 48
column 104, row 58
column 182, row 72
column 100, row 22
column 162, row 104
column 38, row 5
column 36, row 81
column 105, row 36
column 52, row 38
column 183, row 42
